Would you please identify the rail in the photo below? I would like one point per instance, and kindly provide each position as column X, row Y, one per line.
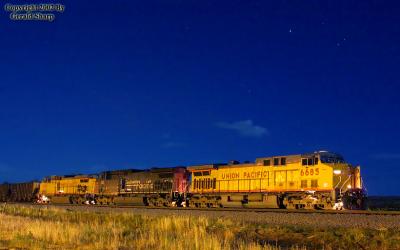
column 256, row 210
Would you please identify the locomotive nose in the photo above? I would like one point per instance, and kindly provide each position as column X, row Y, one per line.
column 355, row 199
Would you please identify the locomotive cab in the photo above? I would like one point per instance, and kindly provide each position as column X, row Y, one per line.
column 346, row 181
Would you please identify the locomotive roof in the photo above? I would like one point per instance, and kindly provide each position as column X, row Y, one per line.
column 205, row 166
column 298, row 156
column 161, row 170
column 152, row 170
column 258, row 161
column 122, row 171
column 70, row 176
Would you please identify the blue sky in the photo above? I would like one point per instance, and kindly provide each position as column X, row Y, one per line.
column 124, row 84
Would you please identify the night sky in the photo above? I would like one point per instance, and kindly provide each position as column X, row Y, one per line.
column 135, row 84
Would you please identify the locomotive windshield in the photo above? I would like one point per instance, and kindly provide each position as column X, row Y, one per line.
column 326, row 157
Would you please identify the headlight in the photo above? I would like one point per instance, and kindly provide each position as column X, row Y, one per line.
column 337, row 171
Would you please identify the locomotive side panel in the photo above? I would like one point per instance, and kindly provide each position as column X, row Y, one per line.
column 141, row 187
column 253, row 178
column 68, row 186
column 67, row 189
column 150, row 181
column 110, row 181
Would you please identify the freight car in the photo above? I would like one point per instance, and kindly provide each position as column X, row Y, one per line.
column 19, row 192
column 320, row 180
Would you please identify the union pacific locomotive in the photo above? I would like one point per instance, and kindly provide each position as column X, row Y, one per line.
column 319, row 180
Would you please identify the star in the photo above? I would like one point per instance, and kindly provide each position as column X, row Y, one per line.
column 290, row 30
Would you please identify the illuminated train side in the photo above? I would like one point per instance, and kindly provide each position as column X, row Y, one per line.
column 319, row 180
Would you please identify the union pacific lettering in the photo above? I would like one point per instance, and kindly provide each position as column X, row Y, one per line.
column 230, row 176
column 255, row 174
column 246, row 175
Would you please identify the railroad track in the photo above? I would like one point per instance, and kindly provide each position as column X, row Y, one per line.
column 255, row 210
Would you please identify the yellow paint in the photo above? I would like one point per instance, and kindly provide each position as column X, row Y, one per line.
column 68, row 186
column 255, row 177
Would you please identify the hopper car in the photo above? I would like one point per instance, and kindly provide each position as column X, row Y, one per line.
column 19, row 192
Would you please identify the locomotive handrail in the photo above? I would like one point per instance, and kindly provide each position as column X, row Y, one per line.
column 340, row 180
column 344, row 183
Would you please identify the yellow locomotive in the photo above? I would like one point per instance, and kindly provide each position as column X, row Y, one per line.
column 319, row 180
column 68, row 189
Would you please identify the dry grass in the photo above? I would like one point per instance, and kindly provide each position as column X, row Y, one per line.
column 38, row 228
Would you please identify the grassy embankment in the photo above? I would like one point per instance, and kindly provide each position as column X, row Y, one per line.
column 24, row 227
